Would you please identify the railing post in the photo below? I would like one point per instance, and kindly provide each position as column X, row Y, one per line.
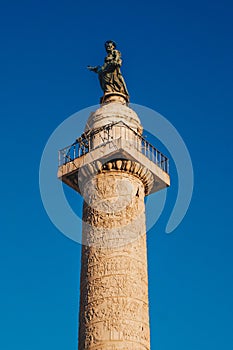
column 159, row 159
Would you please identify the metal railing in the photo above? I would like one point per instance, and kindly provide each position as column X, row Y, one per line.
column 110, row 132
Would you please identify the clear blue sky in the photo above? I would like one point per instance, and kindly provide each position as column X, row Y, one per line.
column 177, row 60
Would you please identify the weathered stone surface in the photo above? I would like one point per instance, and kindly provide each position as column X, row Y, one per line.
column 113, row 211
column 113, row 112
column 114, row 281
column 114, row 177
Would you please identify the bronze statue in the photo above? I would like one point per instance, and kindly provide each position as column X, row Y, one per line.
column 110, row 77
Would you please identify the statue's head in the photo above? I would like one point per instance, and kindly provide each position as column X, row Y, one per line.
column 110, row 45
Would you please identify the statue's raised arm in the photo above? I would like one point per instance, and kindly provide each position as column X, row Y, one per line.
column 110, row 77
column 93, row 69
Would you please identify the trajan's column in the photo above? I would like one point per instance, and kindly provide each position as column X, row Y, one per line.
column 113, row 167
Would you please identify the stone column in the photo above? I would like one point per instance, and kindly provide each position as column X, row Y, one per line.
column 113, row 177
column 114, row 281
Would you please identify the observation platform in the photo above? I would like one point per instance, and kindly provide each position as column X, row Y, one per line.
column 95, row 149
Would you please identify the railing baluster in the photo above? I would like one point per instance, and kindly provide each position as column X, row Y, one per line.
column 110, row 132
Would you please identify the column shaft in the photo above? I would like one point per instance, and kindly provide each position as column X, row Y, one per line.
column 114, row 281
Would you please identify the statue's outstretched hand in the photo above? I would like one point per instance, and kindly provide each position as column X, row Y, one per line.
column 92, row 69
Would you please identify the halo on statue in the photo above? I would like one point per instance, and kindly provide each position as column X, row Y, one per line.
column 110, row 42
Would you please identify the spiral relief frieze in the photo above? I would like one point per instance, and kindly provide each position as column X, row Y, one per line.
column 114, row 281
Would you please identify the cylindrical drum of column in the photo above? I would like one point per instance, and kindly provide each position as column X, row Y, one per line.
column 114, row 281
